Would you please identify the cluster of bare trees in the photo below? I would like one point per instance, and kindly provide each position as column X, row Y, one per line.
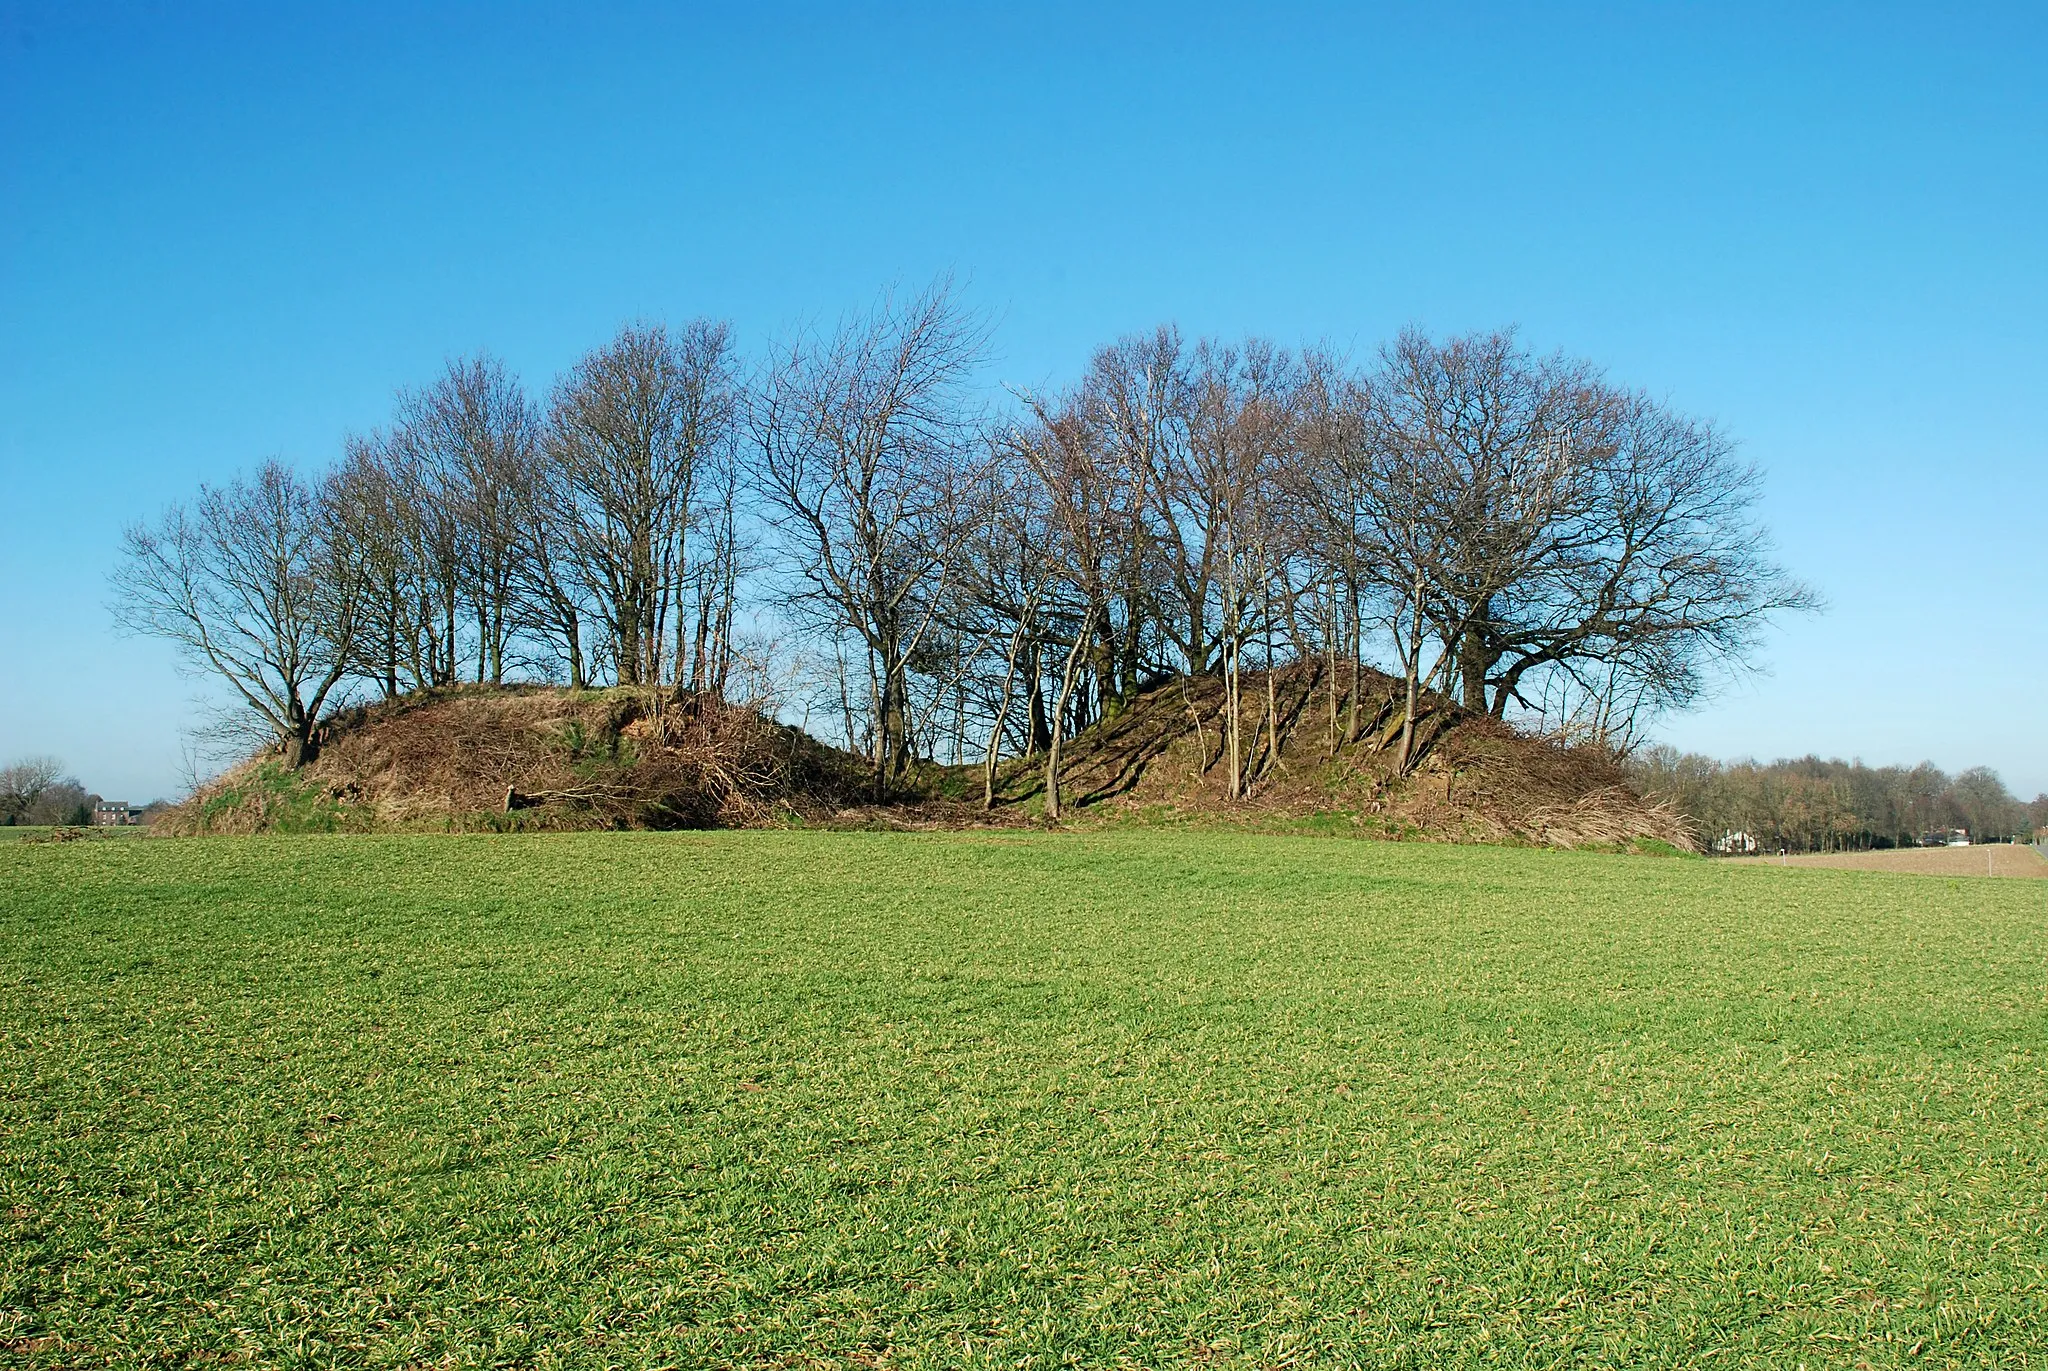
column 36, row 790
column 969, row 578
column 1806, row 804
column 479, row 537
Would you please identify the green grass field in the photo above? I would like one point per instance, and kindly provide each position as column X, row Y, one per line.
column 1158, row 1099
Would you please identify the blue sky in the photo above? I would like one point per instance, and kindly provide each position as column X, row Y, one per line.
column 228, row 232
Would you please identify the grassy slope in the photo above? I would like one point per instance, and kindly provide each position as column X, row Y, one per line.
column 645, row 1099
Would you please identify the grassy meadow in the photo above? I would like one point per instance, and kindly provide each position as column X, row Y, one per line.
column 1017, row 1100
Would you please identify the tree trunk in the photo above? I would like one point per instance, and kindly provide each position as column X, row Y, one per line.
column 572, row 631
column 1475, row 660
column 1040, row 727
column 1357, row 653
column 1232, row 723
column 1412, row 683
column 1052, row 752
column 995, row 733
column 300, row 744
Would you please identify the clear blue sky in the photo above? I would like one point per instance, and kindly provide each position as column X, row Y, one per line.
column 228, row 232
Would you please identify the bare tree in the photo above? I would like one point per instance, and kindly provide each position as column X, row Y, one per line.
column 1369, row 502
column 1094, row 494
column 1329, row 501
column 1156, row 576
column 632, row 428
column 470, row 436
column 1568, row 526
column 256, row 584
column 859, row 444
column 714, row 579
column 553, row 606
column 1003, row 578
column 22, row 784
column 1242, row 432
column 369, row 499
column 64, row 801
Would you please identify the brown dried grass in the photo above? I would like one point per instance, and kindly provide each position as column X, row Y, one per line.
column 1988, row 859
column 536, row 757
column 1476, row 779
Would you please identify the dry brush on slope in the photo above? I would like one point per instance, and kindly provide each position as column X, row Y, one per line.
column 1308, row 752
column 531, row 757
column 547, row 758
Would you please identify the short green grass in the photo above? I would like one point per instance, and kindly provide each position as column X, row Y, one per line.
column 1003, row 1099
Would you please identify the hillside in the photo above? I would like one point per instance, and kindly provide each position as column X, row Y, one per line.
column 1476, row 780
column 534, row 757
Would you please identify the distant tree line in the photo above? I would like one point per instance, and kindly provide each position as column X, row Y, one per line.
column 1809, row 805
column 958, row 577
column 36, row 790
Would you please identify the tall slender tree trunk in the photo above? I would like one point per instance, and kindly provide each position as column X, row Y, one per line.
column 1231, row 718
column 1357, row 663
column 1330, row 666
column 1059, row 718
column 1272, row 701
column 572, row 631
column 450, row 673
column 1412, row 683
column 995, row 733
column 1038, row 725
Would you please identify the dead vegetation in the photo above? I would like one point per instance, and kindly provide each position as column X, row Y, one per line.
column 532, row 757
column 546, row 758
column 1982, row 859
column 1312, row 750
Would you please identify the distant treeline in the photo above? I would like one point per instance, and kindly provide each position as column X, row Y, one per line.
column 37, row 791
column 1806, row 804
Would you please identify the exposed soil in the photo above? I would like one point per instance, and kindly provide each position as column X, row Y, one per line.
column 1989, row 859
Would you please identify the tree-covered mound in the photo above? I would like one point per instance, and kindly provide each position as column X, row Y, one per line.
column 1319, row 748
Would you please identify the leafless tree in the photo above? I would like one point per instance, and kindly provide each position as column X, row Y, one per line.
column 632, row 428
column 860, row 443
column 1370, row 504
column 1094, row 494
column 256, row 583
column 1563, row 525
column 1241, row 435
column 64, row 801
column 469, row 438
column 715, row 576
column 1003, row 577
column 554, row 609
column 1479, row 438
column 22, row 784
column 1328, row 502
column 1134, row 405
column 371, row 502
